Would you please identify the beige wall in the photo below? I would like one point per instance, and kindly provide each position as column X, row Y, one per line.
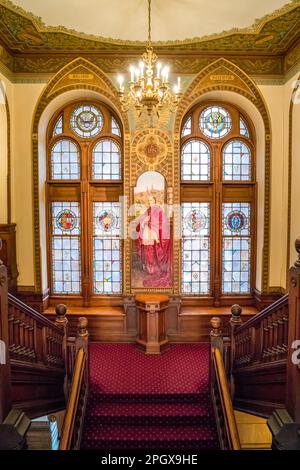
column 5, row 97
column 295, row 153
column 25, row 97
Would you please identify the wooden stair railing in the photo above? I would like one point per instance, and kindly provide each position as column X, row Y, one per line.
column 220, row 393
column 75, row 412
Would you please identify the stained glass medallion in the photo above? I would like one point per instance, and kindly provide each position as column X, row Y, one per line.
column 215, row 122
column 66, row 220
column 195, row 220
column 66, row 266
column 195, row 248
column 236, row 253
column 86, row 121
column 236, row 221
column 107, row 249
column 107, row 220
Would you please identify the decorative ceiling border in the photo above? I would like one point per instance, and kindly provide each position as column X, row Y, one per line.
column 255, row 28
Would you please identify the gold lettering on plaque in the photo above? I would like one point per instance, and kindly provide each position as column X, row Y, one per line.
column 80, row 76
column 222, row 78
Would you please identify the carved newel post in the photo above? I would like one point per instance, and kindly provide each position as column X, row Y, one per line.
column 62, row 321
column 82, row 341
column 293, row 364
column 235, row 322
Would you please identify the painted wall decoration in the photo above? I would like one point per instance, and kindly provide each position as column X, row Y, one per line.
column 151, row 234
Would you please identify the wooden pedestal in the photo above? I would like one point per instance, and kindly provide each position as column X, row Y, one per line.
column 151, row 310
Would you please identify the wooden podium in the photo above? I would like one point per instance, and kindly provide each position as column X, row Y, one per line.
column 151, row 310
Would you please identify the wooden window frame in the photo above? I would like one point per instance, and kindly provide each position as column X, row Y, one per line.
column 85, row 191
column 218, row 191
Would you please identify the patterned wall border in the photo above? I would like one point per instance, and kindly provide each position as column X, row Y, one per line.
column 57, row 86
column 244, row 86
column 8, row 154
column 290, row 170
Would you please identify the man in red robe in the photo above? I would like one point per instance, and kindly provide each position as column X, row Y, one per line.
column 153, row 245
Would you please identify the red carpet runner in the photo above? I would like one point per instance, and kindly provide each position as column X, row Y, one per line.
column 149, row 402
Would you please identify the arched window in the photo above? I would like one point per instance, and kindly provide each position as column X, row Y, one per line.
column 84, row 182
column 218, row 202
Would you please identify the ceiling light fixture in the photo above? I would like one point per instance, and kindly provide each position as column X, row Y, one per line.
column 149, row 87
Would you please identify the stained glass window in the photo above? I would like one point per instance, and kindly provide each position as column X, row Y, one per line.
column 65, row 161
column 195, row 224
column 243, row 128
column 115, row 128
column 236, row 248
column 187, row 128
column 107, row 247
column 86, row 121
column 106, row 161
column 215, row 122
column 58, row 128
column 237, row 161
column 195, row 161
column 66, row 271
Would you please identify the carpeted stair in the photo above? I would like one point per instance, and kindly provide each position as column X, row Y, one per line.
column 140, row 402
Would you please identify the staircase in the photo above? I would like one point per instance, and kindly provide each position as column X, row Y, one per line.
column 142, row 402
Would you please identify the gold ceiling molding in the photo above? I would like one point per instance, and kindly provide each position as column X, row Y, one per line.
column 246, row 87
column 41, row 27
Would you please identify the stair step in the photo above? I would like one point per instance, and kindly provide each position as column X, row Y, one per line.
column 149, row 437
column 147, row 413
column 100, row 397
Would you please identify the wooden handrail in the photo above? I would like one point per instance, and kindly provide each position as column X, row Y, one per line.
column 264, row 313
column 220, row 381
column 41, row 319
column 72, row 406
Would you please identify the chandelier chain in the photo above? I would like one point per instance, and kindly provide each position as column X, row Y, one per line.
column 149, row 22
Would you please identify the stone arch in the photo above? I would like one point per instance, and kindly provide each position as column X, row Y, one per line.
column 224, row 76
column 78, row 76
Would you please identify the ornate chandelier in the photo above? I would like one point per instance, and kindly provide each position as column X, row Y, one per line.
column 149, row 87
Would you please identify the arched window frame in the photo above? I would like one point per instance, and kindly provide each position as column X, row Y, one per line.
column 86, row 191
column 218, row 191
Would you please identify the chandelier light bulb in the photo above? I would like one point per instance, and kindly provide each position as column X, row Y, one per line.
column 149, row 87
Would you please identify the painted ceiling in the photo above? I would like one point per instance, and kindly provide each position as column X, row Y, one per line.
column 171, row 19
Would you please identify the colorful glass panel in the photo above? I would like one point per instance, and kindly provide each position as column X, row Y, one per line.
column 65, row 248
column 243, row 128
column 86, row 121
column 215, row 122
column 115, row 128
column 237, row 161
column 58, row 128
column 236, row 253
column 195, row 248
column 65, row 161
column 106, row 161
column 187, row 128
column 195, row 161
column 107, row 250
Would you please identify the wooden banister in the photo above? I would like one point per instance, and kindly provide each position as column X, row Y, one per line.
column 74, row 416
column 226, row 423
